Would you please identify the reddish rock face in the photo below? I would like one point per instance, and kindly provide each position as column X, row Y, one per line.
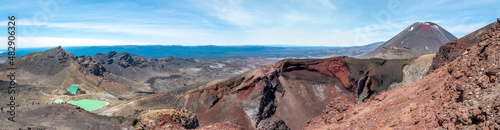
column 463, row 94
column 450, row 51
column 221, row 126
column 164, row 122
column 288, row 93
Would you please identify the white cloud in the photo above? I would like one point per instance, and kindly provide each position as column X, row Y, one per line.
column 294, row 18
column 144, row 30
column 232, row 11
column 135, row 29
column 335, row 37
column 252, row 13
column 327, row 3
column 33, row 42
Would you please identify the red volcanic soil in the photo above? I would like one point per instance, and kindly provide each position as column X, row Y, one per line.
column 463, row 94
column 164, row 122
column 450, row 51
column 220, row 126
column 288, row 93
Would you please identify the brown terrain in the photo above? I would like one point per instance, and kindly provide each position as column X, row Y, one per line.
column 463, row 93
column 62, row 116
column 43, row 77
column 115, row 76
column 266, row 97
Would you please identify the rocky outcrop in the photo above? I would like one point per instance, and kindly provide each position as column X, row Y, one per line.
column 364, row 90
column 220, row 126
column 164, row 122
column 167, row 119
column 450, row 51
column 463, row 94
column 278, row 125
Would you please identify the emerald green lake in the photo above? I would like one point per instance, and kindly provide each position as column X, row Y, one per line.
column 58, row 101
column 89, row 105
column 72, row 89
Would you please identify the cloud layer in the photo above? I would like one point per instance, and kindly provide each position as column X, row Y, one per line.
column 236, row 22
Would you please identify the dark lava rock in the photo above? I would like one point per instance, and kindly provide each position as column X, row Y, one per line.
column 278, row 125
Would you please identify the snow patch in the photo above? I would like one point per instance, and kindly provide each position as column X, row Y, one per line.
column 426, row 48
column 435, row 26
column 411, row 29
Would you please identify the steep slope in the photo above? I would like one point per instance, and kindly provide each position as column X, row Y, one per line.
column 416, row 40
column 463, row 94
column 62, row 116
column 46, row 75
column 450, row 51
column 265, row 97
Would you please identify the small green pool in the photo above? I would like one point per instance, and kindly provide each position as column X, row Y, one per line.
column 72, row 89
column 89, row 105
column 58, row 101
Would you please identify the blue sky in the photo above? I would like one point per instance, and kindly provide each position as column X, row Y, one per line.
column 43, row 23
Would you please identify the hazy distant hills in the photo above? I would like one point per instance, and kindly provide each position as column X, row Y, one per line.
column 416, row 40
column 214, row 52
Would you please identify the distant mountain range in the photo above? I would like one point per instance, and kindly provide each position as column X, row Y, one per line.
column 213, row 52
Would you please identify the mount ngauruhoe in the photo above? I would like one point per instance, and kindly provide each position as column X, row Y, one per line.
column 416, row 40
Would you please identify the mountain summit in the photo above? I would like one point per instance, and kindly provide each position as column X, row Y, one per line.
column 416, row 40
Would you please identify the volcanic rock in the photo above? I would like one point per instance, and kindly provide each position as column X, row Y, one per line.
column 450, row 51
column 265, row 97
column 164, row 122
column 167, row 119
column 278, row 125
column 220, row 126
